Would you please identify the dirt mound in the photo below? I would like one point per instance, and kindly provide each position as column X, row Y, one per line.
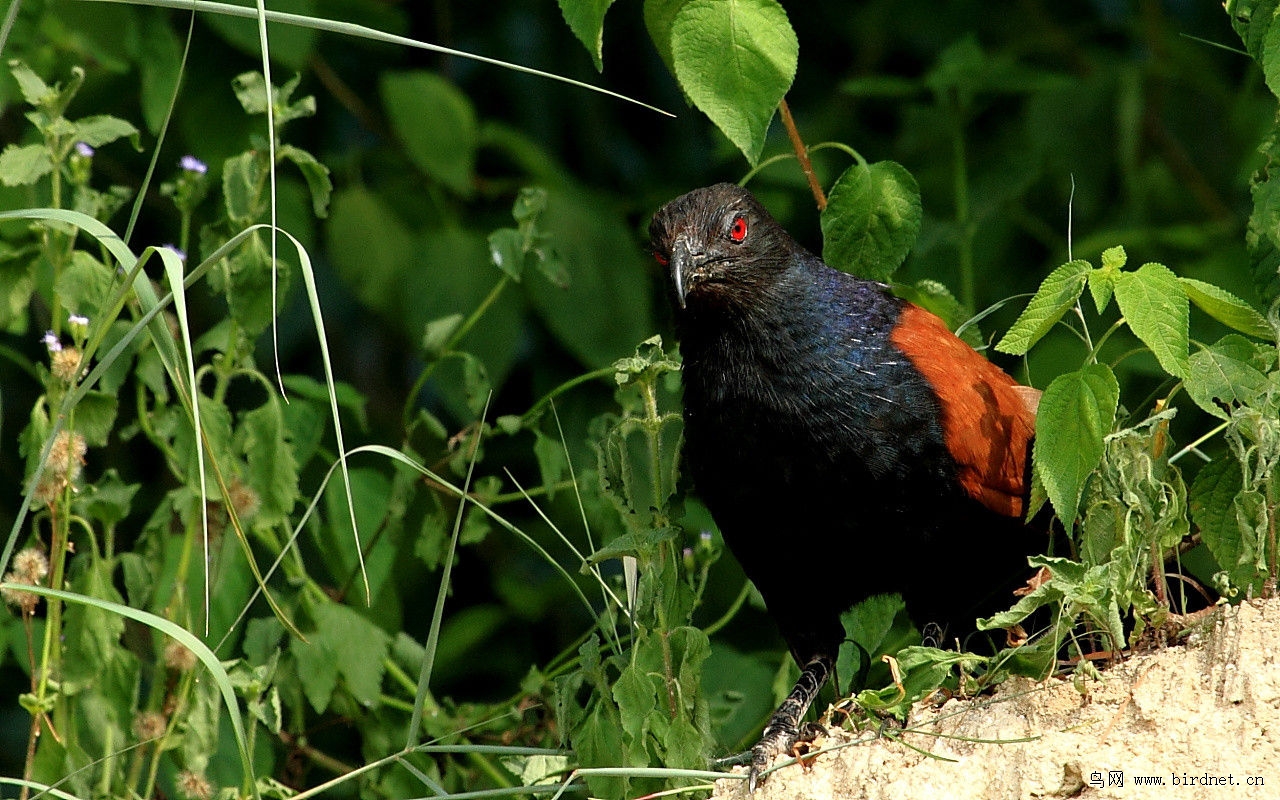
column 1199, row 720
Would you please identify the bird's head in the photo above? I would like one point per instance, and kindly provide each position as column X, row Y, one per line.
column 719, row 244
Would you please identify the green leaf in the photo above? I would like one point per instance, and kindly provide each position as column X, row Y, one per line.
column 506, row 248
column 242, row 182
column 586, row 19
column 597, row 742
column 92, row 634
column 371, row 248
column 272, row 471
column 103, row 129
column 108, row 500
column 85, row 285
column 735, row 59
column 314, row 173
column 553, row 462
column 1102, row 281
column 1228, row 309
column 291, row 45
column 34, row 90
column 1075, row 414
column 1155, row 305
column 871, row 220
column 246, row 281
column 1216, row 499
column 634, row 693
column 873, row 627
column 95, row 416
column 354, row 650
column 437, row 125
column 608, row 306
column 159, row 61
column 438, row 333
column 23, row 166
column 659, row 17
column 1269, row 58
column 934, row 296
column 1224, row 375
column 1056, row 295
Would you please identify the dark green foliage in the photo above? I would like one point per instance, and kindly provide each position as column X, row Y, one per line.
column 471, row 239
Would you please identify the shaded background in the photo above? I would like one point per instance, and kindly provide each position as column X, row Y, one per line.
column 1122, row 116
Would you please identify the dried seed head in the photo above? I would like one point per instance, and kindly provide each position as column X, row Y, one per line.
column 148, row 725
column 65, row 364
column 66, row 457
column 25, row 602
column 194, row 786
column 178, row 657
column 243, row 499
column 32, row 564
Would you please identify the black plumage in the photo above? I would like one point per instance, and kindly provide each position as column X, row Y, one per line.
column 844, row 444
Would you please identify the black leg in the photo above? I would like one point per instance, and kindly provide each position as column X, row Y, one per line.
column 784, row 726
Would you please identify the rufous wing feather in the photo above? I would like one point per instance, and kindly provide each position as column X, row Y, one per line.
column 988, row 419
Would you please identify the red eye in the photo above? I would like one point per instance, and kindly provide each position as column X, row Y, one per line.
column 739, row 230
column 660, row 258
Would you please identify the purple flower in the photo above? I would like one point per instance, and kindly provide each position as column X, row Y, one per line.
column 193, row 164
column 175, row 249
column 76, row 319
column 84, row 150
column 50, row 340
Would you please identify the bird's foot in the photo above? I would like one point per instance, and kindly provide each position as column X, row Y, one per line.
column 780, row 735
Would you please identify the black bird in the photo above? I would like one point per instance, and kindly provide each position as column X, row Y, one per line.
column 846, row 442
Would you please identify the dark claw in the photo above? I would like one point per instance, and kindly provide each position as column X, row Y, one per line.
column 778, row 738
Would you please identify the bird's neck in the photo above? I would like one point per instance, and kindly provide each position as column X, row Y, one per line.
column 797, row 325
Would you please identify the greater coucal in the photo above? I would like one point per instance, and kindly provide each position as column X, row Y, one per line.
column 846, row 442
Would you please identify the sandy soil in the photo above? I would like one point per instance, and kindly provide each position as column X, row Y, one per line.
column 1203, row 718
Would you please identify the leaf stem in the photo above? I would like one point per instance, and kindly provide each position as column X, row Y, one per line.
column 802, row 154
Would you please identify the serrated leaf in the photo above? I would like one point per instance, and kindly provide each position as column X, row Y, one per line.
column 1269, row 58
column 34, row 90
column 1156, row 308
column 1114, row 258
column 735, row 59
column 272, row 469
column 586, row 19
column 23, row 166
column 871, row 220
column 1075, row 414
column 1233, row 520
column 1102, row 281
column 1228, row 309
column 103, row 129
column 1222, row 375
column 1056, row 295
column 437, row 125
column 344, row 644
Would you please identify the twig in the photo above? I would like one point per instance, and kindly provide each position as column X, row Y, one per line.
column 802, row 154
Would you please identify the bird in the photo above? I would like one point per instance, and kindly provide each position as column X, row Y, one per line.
column 845, row 441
